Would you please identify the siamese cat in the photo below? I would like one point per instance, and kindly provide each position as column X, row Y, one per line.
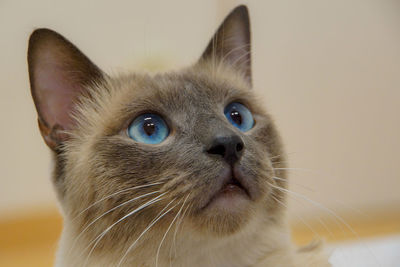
column 181, row 169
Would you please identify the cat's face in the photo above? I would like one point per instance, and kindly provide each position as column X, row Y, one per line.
column 184, row 166
column 212, row 163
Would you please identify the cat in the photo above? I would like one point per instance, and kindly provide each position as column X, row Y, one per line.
column 179, row 168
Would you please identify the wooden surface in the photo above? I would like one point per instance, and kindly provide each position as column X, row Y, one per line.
column 29, row 241
column 32, row 240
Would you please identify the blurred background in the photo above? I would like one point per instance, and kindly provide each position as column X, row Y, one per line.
column 328, row 71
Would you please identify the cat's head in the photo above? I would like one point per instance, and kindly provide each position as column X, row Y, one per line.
column 134, row 148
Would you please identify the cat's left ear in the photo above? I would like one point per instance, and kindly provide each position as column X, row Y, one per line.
column 231, row 43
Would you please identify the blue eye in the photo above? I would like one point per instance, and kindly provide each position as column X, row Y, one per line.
column 148, row 129
column 239, row 116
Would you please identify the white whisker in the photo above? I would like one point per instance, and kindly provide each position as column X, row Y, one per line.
column 299, row 217
column 318, row 205
column 110, row 210
column 276, row 156
column 291, row 182
column 326, row 227
column 145, row 230
column 178, row 224
column 113, row 194
column 296, row 169
column 166, row 232
column 337, row 217
column 310, row 189
column 156, row 199
column 282, row 155
column 277, row 162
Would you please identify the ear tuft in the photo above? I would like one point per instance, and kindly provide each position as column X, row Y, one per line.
column 59, row 73
column 231, row 44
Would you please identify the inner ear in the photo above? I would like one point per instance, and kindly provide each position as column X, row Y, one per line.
column 59, row 73
column 231, row 44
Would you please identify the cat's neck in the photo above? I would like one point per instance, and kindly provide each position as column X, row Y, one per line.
column 246, row 248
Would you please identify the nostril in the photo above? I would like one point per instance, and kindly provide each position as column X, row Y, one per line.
column 218, row 150
column 239, row 147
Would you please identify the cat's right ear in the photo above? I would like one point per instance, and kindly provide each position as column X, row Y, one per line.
column 231, row 42
column 59, row 73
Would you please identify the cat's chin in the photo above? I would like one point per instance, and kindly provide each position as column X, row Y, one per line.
column 226, row 213
column 229, row 202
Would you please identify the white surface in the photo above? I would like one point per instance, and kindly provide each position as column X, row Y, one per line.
column 382, row 252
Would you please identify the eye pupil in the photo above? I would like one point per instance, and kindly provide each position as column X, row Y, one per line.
column 236, row 117
column 239, row 116
column 149, row 128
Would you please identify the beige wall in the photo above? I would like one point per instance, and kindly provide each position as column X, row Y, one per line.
column 329, row 72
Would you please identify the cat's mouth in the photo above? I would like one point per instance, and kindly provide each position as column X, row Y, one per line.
column 231, row 191
column 232, row 186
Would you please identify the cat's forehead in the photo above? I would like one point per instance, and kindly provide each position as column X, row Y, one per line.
column 186, row 89
column 196, row 92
